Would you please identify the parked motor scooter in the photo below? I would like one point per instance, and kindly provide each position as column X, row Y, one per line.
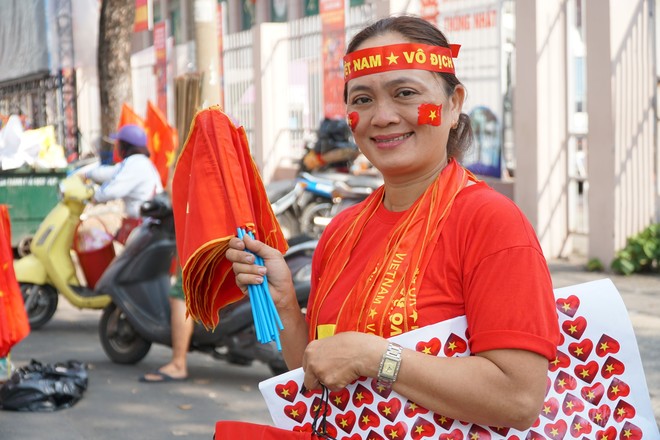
column 49, row 268
column 139, row 314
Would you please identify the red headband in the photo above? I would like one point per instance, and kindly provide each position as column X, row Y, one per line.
column 400, row 56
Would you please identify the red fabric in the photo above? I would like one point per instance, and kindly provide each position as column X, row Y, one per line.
column 386, row 286
column 216, row 188
column 161, row 140
column 127, row 116
column 14, row 325
column 487, row 265
column 127, row 226
column 230, row 430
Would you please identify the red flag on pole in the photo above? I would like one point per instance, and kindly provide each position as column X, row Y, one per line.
column 161, row 141
column 127, row 116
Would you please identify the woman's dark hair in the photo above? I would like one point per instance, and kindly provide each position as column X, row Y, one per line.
column 127, row 149
column 418, row 30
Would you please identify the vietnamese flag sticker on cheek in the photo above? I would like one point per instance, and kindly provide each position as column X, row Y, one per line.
column 353, row 118
column 429, row 114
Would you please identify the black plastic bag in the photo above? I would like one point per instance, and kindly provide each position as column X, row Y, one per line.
column 44, row 387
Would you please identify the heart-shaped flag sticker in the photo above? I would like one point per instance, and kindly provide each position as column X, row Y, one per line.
column 362, row 396
column 612, row 367
column 557, row 430
column 390, row 409
column 568, row 306
column 561, row 361
column 455, row 345
column 397, row 431
column 564, row 381
column 373, row 435
column 600, row 415
column 296, row 411
column 631, row 432
column 574, row 328
column 581, row 350
column 607, row 434
column 623, row 410
column 411, row 409
column 572, row 404
column 477, row 432
column 346, row 421
column 550, row 408
column 431, row 346
column 580, row 426
column 593, row 394
column 587, row 372
column 319, row 407
column 443, row 421
column 617, row 389
column 456, row 434
column 381, row 390
column 287, row 391
column 340, row 398
column 368, row 419
column 607, row 345
column 422, row 428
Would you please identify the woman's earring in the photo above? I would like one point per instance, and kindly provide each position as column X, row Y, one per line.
column 454, row 126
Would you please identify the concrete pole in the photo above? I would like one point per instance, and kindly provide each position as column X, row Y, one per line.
column 206, row 44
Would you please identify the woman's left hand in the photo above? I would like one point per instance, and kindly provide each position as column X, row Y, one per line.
column 338, row 360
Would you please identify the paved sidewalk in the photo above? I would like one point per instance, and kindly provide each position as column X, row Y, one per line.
column 641, row 294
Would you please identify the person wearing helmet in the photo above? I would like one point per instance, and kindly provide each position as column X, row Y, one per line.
column 134, row 180
column 334, row 147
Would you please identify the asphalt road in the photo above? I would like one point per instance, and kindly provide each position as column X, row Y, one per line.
column 117, row 406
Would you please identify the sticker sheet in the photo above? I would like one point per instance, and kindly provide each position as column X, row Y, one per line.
column 596, row 385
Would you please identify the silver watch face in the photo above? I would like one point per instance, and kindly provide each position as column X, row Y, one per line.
column 389, row 368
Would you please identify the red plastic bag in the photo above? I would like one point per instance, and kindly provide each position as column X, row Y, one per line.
column 230, row 429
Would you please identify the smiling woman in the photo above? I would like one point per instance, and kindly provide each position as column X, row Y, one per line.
column 431, row 244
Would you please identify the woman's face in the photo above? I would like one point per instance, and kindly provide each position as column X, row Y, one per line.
column 388, row 132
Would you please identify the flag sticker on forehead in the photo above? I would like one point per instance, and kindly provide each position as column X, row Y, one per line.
column 398, row 57
column 217, row 188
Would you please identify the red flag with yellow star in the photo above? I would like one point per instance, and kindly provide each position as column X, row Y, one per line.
column 161, row 140
column 127, row 116
column 429, row 114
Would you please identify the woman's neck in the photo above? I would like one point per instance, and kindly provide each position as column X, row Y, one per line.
column 402, row 194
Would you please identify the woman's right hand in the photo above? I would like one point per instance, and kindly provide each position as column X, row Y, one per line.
column 275, row 269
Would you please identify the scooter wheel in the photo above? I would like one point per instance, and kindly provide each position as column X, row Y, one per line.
column 40, row 303
column 120, row 341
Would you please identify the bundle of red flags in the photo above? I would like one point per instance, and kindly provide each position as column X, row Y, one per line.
column 14, row 325
column 216, row 189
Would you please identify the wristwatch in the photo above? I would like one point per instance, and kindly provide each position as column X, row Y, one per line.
column 389, row 365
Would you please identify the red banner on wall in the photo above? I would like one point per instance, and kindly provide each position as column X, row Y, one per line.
column 141, row 22
column 333, row 40
column 160, row 68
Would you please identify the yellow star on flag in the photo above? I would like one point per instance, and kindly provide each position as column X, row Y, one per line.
column 419, row 429
column 337, row 400
column 579, row 351
column 584, row 373
column 359, row 397
column 547, row 409
column 365, row 419
column 372, row 313
column 432, row 115
column 621, row 412
column 569, row 405
column 285, row 393
column 294, row 413
column 392, row 58
column 426, row 350
column 393, row 434
column 627, row 433
column 572, row 329
column 609, row 368
column 577, row 427
column 343, row 423
column 615, row 389
column 387, row 411
column 452, row 346
column 604, row 346
column 474, row 436
column 566, row 307
column 591, row 395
